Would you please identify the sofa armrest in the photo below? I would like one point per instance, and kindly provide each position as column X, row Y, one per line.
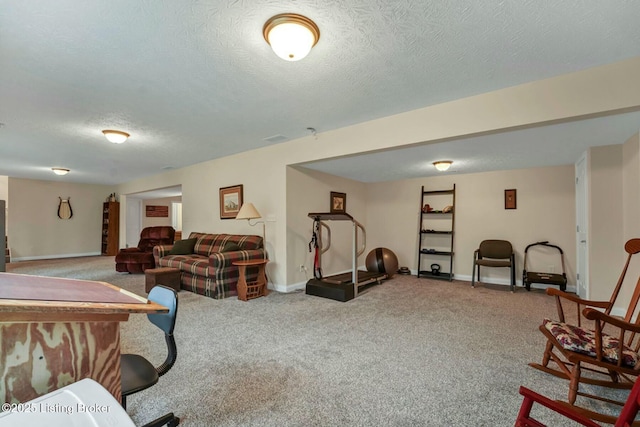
column 218, row 260
column 160, row 251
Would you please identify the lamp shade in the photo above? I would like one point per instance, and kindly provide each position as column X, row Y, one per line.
column 291, row 36
column 248, row 211
column 442, row 165
column 115, row 136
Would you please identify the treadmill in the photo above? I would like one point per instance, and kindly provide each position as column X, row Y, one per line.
column 344, row 286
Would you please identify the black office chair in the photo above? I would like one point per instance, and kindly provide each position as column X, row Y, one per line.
column 138, row 373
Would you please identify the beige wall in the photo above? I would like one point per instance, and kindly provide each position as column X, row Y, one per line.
column 545, row 211
column 158, row 221
column 309, row 191
column 630, row 207
column 263, row 178
column 605, row 237
column 4, row 195
column 631, row 186
column 4, row 187
column 36, row 232
column 263, row 171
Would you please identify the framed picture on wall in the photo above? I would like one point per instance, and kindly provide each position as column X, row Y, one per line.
column 338, row 202
column 230, row 201
column 157, row 211
column 510, row 199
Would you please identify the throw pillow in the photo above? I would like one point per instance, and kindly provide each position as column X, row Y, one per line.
column 230, row 247
column 183, row 247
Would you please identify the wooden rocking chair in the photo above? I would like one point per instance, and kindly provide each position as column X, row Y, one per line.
column 625, row 418
column 609, row 346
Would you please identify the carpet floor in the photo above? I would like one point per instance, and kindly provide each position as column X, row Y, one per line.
column 407, row 352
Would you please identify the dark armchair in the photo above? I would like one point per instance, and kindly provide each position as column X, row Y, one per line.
column 140, row 258
column 494, row 253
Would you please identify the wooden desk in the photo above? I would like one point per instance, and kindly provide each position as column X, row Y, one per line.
column 247, row 291
column 55, row 331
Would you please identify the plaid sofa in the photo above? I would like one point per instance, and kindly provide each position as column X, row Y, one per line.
column 208, row 271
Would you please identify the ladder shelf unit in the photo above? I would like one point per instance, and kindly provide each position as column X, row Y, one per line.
column 435, row 233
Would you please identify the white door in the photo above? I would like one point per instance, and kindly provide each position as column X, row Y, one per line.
column 582, row 247
column 176, row 215
column 134, row 221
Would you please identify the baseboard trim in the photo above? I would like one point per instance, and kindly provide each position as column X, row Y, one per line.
column 41, row 257
column 293, row 287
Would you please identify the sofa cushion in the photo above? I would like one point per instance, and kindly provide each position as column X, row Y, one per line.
column 230, row 247
column 245, row 242
column 251, row 242
column 205, row 243
column 183, row 247
column 208, row 244
column 195, row 264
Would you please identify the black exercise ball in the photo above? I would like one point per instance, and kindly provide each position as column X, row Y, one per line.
column 382, row 260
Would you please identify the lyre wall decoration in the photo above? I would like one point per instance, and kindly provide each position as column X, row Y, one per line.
column 64, row 208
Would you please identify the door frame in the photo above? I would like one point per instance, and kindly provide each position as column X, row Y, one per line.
column 582, row 227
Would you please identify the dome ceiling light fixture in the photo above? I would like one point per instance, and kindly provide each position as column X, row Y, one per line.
column 442, row 165
column 116, row 136
column 60, row 171
column 291, row 36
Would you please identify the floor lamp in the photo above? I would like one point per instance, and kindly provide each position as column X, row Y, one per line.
column 249, row 212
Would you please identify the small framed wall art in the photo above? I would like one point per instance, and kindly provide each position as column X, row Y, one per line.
column 338, row 202
column 230, row 201
column 510, row 199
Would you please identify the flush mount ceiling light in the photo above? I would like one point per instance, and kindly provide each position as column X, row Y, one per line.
column 442, row 165
column 115, row 136
column 60, row 171
column 291, row 36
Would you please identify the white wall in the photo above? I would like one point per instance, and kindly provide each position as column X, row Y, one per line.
column 36, row 232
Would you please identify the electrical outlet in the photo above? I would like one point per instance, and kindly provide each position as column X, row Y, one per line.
column 302, row 268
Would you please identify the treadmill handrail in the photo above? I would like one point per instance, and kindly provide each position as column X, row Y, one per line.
column 324, row 249
column 364, row 238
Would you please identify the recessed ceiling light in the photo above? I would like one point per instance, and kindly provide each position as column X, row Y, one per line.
column 60, row 171
column 115, row 136
column 442, row 165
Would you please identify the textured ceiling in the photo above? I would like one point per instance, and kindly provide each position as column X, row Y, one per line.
column 194, row 80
